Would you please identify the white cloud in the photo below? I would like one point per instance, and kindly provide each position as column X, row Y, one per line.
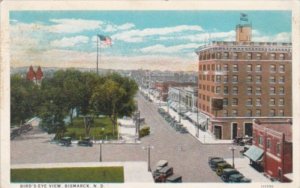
column 114, row 28
column 73, row 25
column 280, row 37
column 137, row 35
column 69, row 41
column 159, row 48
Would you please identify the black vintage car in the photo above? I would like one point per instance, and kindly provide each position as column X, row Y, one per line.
column 163, row 174
column 222, row 166
column 65, row 141
column 174, row 179
column 214, row 162
column 227, row 173
column 238, row 178
column 85, row 142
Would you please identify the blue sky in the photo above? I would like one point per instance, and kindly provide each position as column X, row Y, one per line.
column 141, row 39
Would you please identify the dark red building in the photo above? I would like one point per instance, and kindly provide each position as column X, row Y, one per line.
column 30, row 74
column 272, row 148
column 35, row 76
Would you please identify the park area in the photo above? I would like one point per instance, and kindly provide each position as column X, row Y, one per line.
column 101, row 128
column 76, row 174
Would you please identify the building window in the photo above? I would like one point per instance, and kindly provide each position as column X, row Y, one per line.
column 281, row 102
column 225, row 113
column 268, row 143
column 281, row 79
column 258, row 56
column 234, row 55
column 249, row 102
column 258, row 68
column 249, row 78
column 235, row 78
column 249, row 90
column 218, row 67
column 272, row 79
column 272, row 68
column 272, row 102
column 249, row 113
column 272, row 112
column 281, row 68
column 258, row 112
column 260, row 140
column 212, row 78
column 281, row 112
column 258, row 79
column 258, row 102
column 218, row 78
column 258, row 91
column 281, row 90
column 204, row 67
column 218, row 89
column 235, row 90
column 225, row 67
column 281, row 56
column 208, row 67
column 225, row 90
column 249, row 68
column 272, row 56
column 278, row 148
column 235, row 101
column 225, row 55
column 234, row 113
column 208, row 98
column 272, row 91
column 225, row 101
column 225, row 77
column 235, row 68
column 213, row 67
column 249, row 56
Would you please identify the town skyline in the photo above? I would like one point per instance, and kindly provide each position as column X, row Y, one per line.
column 141, row 40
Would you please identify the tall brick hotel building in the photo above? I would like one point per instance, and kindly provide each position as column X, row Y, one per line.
column 243, row 80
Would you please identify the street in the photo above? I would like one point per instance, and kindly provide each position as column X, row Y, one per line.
column 185, row 154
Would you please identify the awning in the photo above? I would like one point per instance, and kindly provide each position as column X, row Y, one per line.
column 254, row 153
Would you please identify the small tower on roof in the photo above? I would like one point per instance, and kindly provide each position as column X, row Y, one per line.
column 244, row 29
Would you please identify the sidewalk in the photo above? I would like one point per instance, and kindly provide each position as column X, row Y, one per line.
column 127, row 130
column 134, row 172
column 242, row 165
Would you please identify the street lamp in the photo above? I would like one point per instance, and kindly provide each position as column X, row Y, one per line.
column 100, row 157
column 179, row 106
column 232, row 149
column 137, row 123
column 148, row 149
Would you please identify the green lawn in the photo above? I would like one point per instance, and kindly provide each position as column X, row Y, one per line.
column 76, row 174
column 77, row 131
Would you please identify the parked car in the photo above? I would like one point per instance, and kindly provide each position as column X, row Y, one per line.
column 227, row 172
column 160, row 164
column 213, row 163
column 174, row 179
column 163, row 174
column 85, row 142
column 65, row 141
column 212, row 158
column 238, row 178
column 221, row 166
column 183, row 130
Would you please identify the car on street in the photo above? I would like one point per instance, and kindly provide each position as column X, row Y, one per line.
column 163, row 174
column 174, row 179
column 227, row 173
column 213, row 163
column 159, row 165
column 85, row 142
column 221, row 166
column 238, row 178
column 65, row 141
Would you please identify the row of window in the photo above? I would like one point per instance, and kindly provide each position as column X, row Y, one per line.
column 258, row 102
column 260, row 141
column 249, row 91
column 235, row 67
column 249, row 79
column 248, row 56
column 249, row 113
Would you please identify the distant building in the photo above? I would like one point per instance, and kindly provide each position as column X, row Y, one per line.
column 37, row 76
column 272, row 148
column 242, row 80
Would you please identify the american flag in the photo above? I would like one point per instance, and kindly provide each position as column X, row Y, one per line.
column 105, row 39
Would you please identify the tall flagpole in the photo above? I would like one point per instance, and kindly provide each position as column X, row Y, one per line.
column 97, row 55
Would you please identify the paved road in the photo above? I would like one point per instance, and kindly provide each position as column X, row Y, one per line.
column 187, row 155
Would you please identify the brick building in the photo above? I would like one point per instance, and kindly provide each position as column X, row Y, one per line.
column 248, row 80
column 272, row 148
column 35, row 76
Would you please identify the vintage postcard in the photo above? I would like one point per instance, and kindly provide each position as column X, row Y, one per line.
column 149, row 93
